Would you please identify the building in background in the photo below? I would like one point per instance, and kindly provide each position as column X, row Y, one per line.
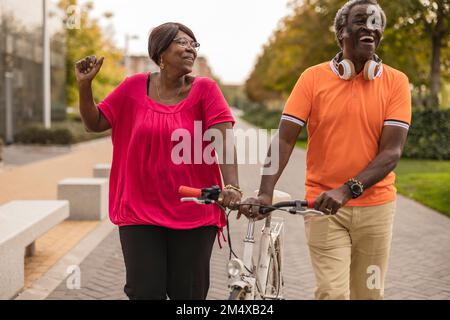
column 143, row 64
column 140, row 64
column 21, row 64
column 202, row 68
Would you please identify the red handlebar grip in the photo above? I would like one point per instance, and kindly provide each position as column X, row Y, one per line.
column 310, row 204
column 190, row 192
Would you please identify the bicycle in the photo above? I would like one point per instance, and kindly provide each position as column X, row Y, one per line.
column 264, row 279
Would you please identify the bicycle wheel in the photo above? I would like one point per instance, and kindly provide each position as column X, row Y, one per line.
column 274, row 281
column 237, row 293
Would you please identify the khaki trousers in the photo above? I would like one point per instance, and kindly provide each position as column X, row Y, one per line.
column 349, row 251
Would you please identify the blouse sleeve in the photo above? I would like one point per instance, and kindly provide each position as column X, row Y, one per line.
column 113, row 104
column 216, row 109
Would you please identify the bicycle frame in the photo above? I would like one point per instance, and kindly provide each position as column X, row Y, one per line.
column 254, row 278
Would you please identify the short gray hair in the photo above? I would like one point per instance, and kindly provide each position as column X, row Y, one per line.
column 341, row 19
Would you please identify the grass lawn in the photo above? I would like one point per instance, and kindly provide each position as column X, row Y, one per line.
column 302, row 144
column 426, row 181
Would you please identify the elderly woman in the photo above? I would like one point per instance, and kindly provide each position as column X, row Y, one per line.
column 166, row 244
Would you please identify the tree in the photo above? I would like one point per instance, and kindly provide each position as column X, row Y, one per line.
column 303, row 39
column 416, row 41
column 426, row 25
column 89, row 39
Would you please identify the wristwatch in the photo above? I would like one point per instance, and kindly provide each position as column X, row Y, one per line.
column 356, row 188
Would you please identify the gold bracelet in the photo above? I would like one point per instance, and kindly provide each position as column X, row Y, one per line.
column 229, row 186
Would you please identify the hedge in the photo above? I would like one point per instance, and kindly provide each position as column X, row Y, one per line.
column 429, row 135
column 36, row 134
column 261, row 116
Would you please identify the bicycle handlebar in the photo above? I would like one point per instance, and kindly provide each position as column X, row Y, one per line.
column 190, row 192
column 211, row 195
column 287, row 204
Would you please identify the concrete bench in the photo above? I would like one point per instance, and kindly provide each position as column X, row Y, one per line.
column 21, row 223
column 88, row 197
column 102, row 170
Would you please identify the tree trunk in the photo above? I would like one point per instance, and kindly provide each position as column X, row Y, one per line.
column 435, row 79
column 436, row 43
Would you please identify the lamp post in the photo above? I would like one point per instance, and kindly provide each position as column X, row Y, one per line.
column 46, row 68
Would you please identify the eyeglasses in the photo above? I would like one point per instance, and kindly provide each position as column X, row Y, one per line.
column 185, row 43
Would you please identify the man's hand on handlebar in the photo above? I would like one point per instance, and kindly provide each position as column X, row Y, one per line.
column 251, row 209
column 331, row 201
column 229, row 198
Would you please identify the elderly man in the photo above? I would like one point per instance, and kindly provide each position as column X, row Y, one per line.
column 358, row 112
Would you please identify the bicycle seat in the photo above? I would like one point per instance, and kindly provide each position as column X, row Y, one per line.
column 278, row 196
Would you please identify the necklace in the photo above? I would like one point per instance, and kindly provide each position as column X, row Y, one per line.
column 179, row 91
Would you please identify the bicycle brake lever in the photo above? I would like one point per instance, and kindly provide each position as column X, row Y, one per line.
column 315, row 212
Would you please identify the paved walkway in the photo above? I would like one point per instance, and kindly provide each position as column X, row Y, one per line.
column 419, row 265
column 420, row 256
column 19, row 155
column 36, row 178
column 33, row 173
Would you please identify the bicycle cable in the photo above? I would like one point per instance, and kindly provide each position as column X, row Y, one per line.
column 232, row 253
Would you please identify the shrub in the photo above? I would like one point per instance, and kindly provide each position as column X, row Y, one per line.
column 429, row 135
column 62, row 136
column 73, row 116
column 36, row 134
column 261, row 116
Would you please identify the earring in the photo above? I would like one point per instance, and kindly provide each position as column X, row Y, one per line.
column 161, row 65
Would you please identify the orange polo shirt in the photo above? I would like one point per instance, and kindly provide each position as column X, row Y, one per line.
column 345, row 120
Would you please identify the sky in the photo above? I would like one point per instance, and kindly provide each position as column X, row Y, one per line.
column 231, row 32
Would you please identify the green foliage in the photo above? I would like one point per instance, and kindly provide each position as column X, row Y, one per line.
column 414, row 27
column 261, row 116
column 303, row 39
column 79, row 132
column 87, row 40
column 306, row 37
column 37, row 134
column 429, row 135
column 233, row 94
column 74, row 116
column 62, row 133
column 62, row 136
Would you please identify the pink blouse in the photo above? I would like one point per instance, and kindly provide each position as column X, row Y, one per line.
column 144, row 181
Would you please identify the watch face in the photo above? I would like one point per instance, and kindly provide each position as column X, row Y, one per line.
column 356, row 189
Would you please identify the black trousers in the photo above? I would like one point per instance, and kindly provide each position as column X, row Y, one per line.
column 165, row 263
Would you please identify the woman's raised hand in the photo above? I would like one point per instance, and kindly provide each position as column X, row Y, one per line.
column 86, row 69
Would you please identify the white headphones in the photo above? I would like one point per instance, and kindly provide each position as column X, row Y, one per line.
column 345, row 68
